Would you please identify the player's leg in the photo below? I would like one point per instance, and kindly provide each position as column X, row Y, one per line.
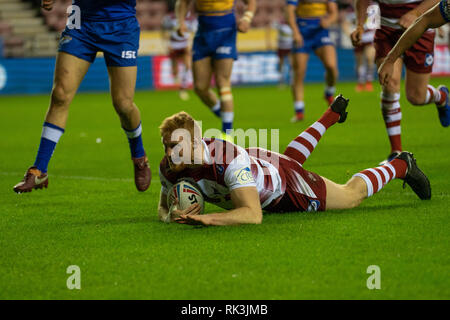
column 390, row 108
column 420, row 92
column 69, row 72
column 174, row 68
column 367, row 182
column 302, row 146
column 300, row 63
column 122, row 83
column 327, row 54
column 222, row 72
column 202, row 73
column 184, row 77
column 280, row 67
column 360, row 69
column 369, row 54
column 384, row 40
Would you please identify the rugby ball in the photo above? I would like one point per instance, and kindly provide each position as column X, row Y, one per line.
column 187, row 195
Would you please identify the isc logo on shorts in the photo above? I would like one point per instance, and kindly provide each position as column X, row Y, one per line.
column 128, row 54
column 224, row 50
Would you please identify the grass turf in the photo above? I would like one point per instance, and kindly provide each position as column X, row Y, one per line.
column 93, row 217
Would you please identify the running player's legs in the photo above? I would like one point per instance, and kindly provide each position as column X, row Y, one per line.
column 327, row 54
column 390, row 107
column 416, row 87
column 122, row 83
column 369, row 54
column 69, row 72
column 120, row 45
column 222, row 72
column 300, row 63
column 384, row 41
column 202, row 73
column 174, row 67
column 186, row 61
column 419, row 62
column 360, row 69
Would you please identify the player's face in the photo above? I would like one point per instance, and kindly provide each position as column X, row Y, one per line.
column 177, row 153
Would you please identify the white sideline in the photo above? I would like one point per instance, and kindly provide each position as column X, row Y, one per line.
column 20, row 175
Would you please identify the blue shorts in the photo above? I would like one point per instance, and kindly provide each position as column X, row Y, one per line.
column 118, row 40
column 215, row 41
column 314, row 36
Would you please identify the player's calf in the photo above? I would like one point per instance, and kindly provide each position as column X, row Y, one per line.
column 302, row 146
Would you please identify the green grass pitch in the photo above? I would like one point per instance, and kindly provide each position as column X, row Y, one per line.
column 92, row 216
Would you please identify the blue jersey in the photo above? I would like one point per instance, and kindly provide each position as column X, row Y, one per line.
column 106, row 10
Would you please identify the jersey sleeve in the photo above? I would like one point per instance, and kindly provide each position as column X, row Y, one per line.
column 165, row 183
column 444, row 7
column 239, row 174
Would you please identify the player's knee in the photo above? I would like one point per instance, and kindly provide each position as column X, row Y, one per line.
column 332, row 70
column 414, row 97
column 123, row 105
column 201, row 89
column 393, row 86
column 354, row 195
column 60, row 97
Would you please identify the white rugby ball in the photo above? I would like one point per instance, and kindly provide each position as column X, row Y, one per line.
column 187, row 195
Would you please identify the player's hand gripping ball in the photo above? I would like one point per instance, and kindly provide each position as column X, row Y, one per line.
column 182, row 196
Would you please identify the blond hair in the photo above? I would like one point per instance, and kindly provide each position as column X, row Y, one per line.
column 180, row 120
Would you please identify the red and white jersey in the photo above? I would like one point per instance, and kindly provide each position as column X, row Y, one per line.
column 370, row 25
column 285, row 36
column 227, row 167
column 177, row 42
column 392, row 10
column 373, row 17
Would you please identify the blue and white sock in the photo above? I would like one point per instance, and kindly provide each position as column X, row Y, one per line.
column 216, row 108
column 330, row 91
column 299, row 107
column 135, row 141
column 49, row 138
column 227, row 121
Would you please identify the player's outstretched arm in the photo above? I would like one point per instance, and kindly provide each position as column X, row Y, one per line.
column 246, row 21
column 163, row 211
column 181, row 10
column 361, row 16
column 431, row 19
column 47, row 4
column 292, row 22
column 247, row 211
column 332, row 15
column 409, row 17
